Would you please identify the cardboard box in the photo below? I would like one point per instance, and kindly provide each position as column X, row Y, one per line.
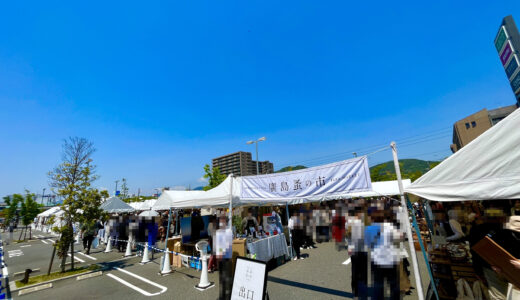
column 238, row 248
column 171, row 244
column 177, row 262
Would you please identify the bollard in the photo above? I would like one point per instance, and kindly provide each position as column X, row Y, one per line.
column 146, row 257
column 204, row 280
column 109, row 246
column 166, row 269
column 204, row 283
column 25, row 279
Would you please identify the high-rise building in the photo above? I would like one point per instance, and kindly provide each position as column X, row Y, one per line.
column 241, row 164
column 469, row 128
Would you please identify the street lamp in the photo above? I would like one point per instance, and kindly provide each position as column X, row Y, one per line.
column 116, row 188
column 256, row 144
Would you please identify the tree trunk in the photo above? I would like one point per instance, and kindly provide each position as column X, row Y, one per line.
column 25, row 234
column 64, row 259
column 72, row 255
column 52, row 259
column 30, row 233
column 71, row 248
column 20, row 237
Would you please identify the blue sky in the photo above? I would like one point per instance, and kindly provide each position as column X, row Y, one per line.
column 162, row 88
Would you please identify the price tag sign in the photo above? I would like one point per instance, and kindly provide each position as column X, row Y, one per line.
column 250, row 279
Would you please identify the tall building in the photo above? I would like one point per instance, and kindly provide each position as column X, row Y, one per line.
column 469, row 128
column 241, row 164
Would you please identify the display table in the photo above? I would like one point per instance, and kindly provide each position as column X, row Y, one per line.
column 268, row 248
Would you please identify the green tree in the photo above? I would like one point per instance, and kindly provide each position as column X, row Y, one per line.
column 28, row 211
column 124, row 189
column 12, row 202
column 104, row 194
column 72, row 180
column 214, row 177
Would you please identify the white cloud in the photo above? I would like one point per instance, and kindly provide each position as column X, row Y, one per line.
column 202, row 179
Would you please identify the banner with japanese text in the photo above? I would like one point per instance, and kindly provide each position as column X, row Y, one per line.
column 348, row 176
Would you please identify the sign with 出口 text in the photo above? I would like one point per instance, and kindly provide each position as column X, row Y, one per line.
column 250, row 279
column 348, row 176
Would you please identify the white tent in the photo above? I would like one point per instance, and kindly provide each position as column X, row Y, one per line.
column 49, row 212
column 487, row 168
column 143, row 205
column 220, row 196
column 216, row 197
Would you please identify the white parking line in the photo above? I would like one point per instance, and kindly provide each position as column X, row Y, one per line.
column 44, row 242
column 25, row 246
column 346, row 262
column 14, row 253
column 128, row 284
column 52, row 242
column 76, row 258
column 91, row 257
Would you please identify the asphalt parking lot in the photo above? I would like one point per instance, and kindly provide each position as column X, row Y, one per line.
column 324, row 274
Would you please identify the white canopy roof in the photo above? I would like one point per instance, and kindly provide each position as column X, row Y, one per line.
column 143, row 205
column 487, row 168
column 220, row 196
column 49, row 212
column 116, row 205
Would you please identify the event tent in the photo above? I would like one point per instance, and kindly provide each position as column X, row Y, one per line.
column 143, row 205
column 49, row 212
column 116, row 205
column 487, row 168
column 220, row 196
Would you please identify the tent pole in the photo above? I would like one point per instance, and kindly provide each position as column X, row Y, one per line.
column 418, row 282
column 167, row 232
column 231, row 203
column 289, row 230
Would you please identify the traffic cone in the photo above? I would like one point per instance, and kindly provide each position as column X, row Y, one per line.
column 128, row 247
column 109, row 245
column 166, row 269
column 146, row 257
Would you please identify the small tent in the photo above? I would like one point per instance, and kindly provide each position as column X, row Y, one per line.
column 116, row 205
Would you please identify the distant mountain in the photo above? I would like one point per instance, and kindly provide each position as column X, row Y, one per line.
column 410, row 169
column 199, row 188
column 291, row 168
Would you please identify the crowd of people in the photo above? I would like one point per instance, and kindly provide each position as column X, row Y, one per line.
column 363, row 226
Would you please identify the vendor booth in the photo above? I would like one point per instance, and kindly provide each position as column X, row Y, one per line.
column 342, row 180
column 485, row 169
